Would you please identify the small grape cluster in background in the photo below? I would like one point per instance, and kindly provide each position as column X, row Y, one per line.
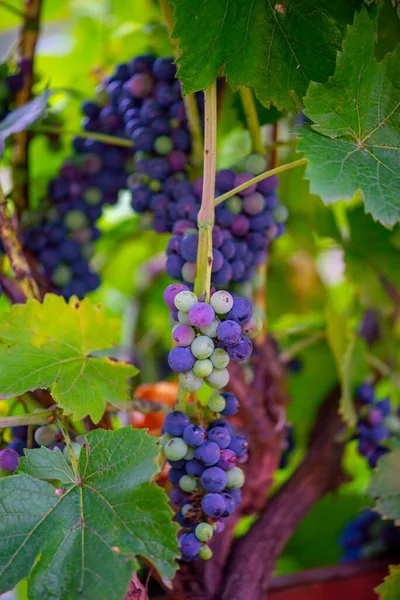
column 376, row 424
column 369, row 536
column 209, row 335
column 141, row 101
column 49, row 436
column 204, row 474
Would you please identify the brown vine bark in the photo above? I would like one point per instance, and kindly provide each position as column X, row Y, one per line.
column 27, row 45
column 319, row 474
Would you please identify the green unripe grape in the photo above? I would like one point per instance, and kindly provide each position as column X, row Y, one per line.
column 88, row 251
column 46, row 435
column 218, row 379
column 185, row 300
column 214, row 526
column 255, row 164
column 234, row 204
column 220, row 358
column 204, row 532
column 92, row 196
column 253, row 327
column 189, row 272
column 234, row 478
column 183, row 318
column 202, row 368
column 392, row 422
column 216, row 403
column 189, row 454
column 61, row 275
column 202, row 347
column 164, row 439
column 75, row 220
column 211, row 330
column 280, row 213
column 155, row 185
column 76, row 449
column 189, row 382
column 221, row 302
column 175, row 449
column 163, row 144
column 205, row 553
column 188, row 483
column 186, row 509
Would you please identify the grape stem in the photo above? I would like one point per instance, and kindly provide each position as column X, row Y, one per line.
column 205, row 218
column 246, row 184
column 288, row 354
column 12, row 9
column 41, row 417
column 189, row 100
column 18, row 261
column 91, row 135
column 253, row 124
column 181, row 397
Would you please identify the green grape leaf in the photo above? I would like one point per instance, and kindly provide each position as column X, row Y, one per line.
column 384, row 487
column 43, row 464
column 22, row 117
column 354, row 141
column 390, row 588
column 80, row 541
column 49, row 345
column 274, row 47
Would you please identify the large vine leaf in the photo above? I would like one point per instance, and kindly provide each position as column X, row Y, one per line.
column 390, row 588
column 82, row 543
column 274, row 47
column 49, row 345
column 354, row 142
column 384, row 487
column 22, row 117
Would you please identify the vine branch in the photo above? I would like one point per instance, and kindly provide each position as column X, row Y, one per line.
column 29, row 34
column 18, row 261
column 246, row 184
column 205, row 218
column 253, row 124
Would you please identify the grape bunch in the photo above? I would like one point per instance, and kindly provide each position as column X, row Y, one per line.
column 245, row 225
column 376, row 424
column 208, row 335
column 204, row 474
column 368, row 536
column 49, row 436
column 141, row 102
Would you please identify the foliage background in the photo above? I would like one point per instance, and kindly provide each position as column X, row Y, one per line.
column 330, row 255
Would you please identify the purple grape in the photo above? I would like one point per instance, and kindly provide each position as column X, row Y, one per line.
column 183, row 335
column 179, row 497
column 236, row 495
column 9, row 459
column 213, row 505
column 221, row 436
column 243, row 178
column 268, row 185
column 140, row 85
column 177, row 464
column 229, row 332
column 240, row 225
column 230, row 504
column 174, row 475
column 224, row 275
column 208, row 453
column 227, row 459
column 189, row 546
column 225, row 180
column 218, row 261
column 213, row 480
column 241, row 311
column 175, row 423
column 232, row 404
column 194, row 468
column 221, row 423
column 174, row 266
column 201, row 314
column 254, row 203
column 164, row 69
column 194, row 435
column 189, row 246
column 239, row 445
column 242, row 350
